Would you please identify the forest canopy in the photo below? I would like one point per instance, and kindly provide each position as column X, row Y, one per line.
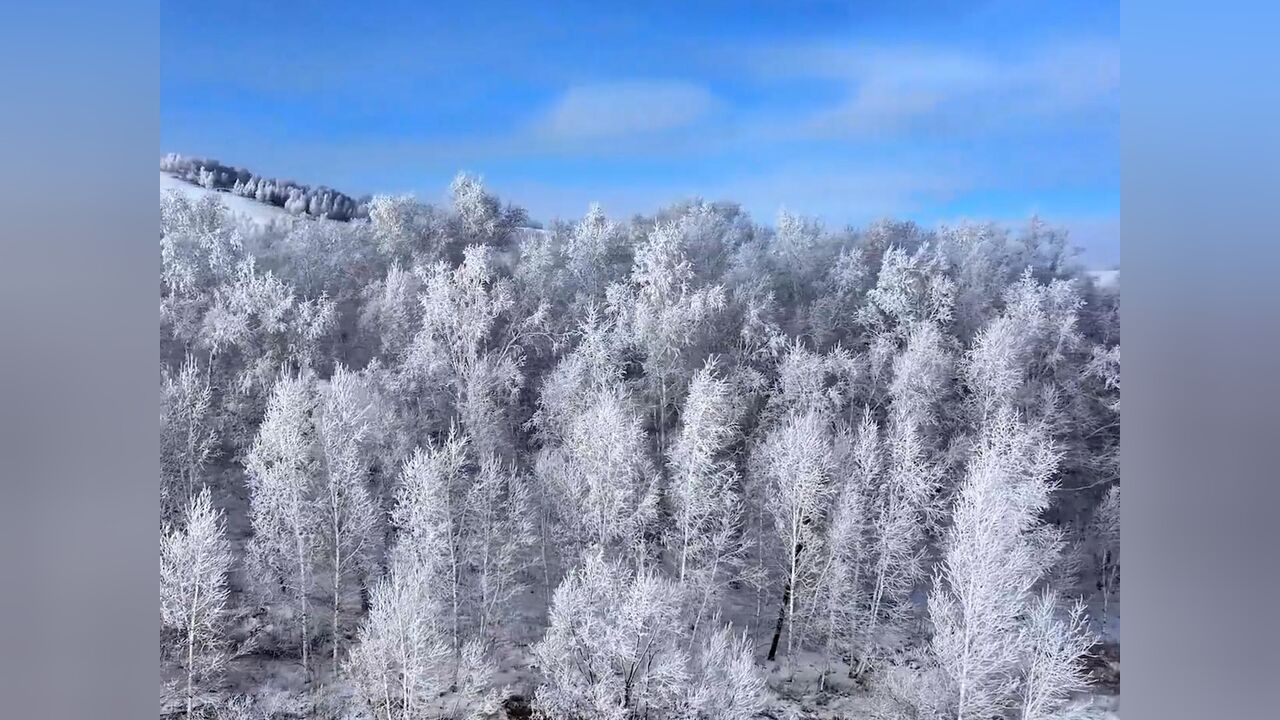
column 433, row 462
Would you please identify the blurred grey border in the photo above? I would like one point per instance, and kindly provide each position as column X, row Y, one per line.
column 78, row 411
column 79, row 117
column 1201, row 326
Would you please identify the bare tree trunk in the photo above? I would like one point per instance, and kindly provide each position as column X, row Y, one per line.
column 337, row 570
column 662, row 420
column 337, row 587
column 871, row 623
column 782, row 616
column 191, row 644
column 302, row 584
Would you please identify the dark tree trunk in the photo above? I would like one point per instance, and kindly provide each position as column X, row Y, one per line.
column 782, row 616
column 782, row 611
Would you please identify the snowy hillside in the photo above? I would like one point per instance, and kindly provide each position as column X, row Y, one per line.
column 249, row 210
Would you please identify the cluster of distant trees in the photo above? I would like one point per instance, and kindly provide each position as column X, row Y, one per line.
column 665, row 454
column 293, row 197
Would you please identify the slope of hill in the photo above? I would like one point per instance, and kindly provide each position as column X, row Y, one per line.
column 249, row 210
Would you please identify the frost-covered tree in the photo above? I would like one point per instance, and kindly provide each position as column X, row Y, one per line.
column 728, row 684
column 401, row 226
column 902, row 507
column 475, row 697
column 428, row 517
column 800, row 252
column 259, row 324
column 995, row 553
column 194, row 561
column 1101, row 429
column 592, row 367
column 667, row 318
column 391, row 312
column 330, row 259
column 499, row 523
column 706, row 532
column 349, row 514
column 1057, row 645
column 597, row 253
column 1022, row 358
column 911, row 287
column 188, row 436
column 1104, row 530
column 614, row 647
column 600, row 478
column 200, row 248
column 466, row 358
column 846, row 583
column 798, row 465
column 922, row 376
column 901, row 522
column 283, row 471
column 403, row 659
column 479, row 218
column 594, row 363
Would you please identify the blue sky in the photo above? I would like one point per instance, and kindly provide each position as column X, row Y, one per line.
column 846, row 111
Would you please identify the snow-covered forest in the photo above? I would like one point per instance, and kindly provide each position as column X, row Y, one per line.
column 436, row 463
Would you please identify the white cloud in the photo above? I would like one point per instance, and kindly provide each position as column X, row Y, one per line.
column 897, row 88
column 625, row 108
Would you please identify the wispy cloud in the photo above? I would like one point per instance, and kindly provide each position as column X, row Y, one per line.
column 939, row 90
column 619, row 109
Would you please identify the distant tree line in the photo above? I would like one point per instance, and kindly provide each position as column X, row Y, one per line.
column 297, row 199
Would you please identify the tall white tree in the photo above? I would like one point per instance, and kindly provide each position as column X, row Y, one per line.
column 1022, row 358
column 912, row 286
column 428, row 517
column 667, row 317
column 187, row 435
column 467, row 355
column 706, row 533
column 479, row 218
column 598, row 253
column 397, row 223
column 593, row 366
column 846, row 583
column 996, row 551
column 500, row 528
column 391, row 312
column 283, row 472
column 901, row 521
column 798, row 467
column 194, row 561
column 349, row 512
column 404, row 658
column 200, row 248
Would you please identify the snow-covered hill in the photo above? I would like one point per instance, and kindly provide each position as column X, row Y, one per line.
column 248, row 210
